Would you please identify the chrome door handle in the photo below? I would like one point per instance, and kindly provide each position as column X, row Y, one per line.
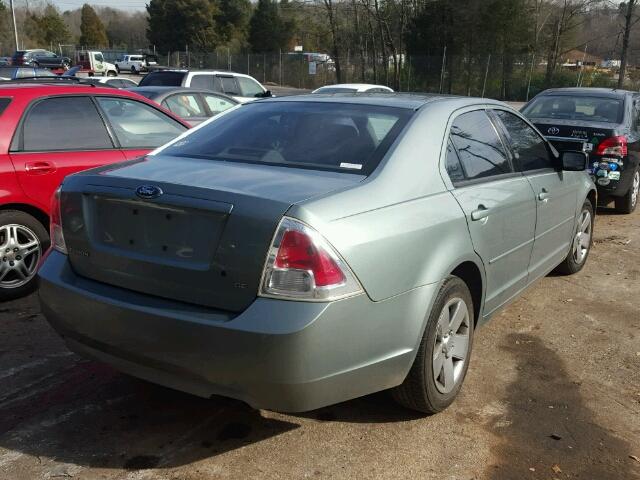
column 543, row 195
column 480, row 213
column 39, row 167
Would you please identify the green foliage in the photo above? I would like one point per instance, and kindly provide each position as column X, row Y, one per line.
column 93, row 33
column 6, row 30
column 176, row 24
column 52, row 27
column 268, row 31
column 233, row 20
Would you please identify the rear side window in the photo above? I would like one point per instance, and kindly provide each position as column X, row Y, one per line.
column 453, row 166
column 217, row 104
column 230, row 86
column 137, row 125
column 202, row 81
column 65, row 123
column 249, row 87
column 184, row 105
column 162, row 79
column 529, row 148
column 480, row 149
column 4, row 103
column 321, row 136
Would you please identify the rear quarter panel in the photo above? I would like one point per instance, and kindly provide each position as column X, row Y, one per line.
column 401, row 228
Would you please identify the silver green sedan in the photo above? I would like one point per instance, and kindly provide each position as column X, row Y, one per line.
column 298, row 252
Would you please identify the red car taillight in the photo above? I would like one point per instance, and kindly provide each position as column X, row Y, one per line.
column 301, row 265
column 55, row 224
column 613, row 146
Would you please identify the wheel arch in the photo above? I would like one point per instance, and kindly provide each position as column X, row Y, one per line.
column 592, row 196
column 35, row 212
column 471, row 274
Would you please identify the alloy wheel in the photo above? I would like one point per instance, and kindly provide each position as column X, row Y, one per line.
column 451, row 347
column 582, row 240
column 20, row 252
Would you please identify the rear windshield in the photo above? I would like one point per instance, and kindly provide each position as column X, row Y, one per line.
column 565, row 107
column 4, row 103
column 322, row 136
column 162, row 79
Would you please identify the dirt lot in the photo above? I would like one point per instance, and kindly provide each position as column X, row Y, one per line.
column 553, row 393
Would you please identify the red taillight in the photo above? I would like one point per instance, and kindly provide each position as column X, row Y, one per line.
column 613, row 146
column 298, row 251
column 301, row 265
column 55, row 224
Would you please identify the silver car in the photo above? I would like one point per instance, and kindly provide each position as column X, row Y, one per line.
column 301, row 251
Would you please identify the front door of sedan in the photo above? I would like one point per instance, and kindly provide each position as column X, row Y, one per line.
column 59, row 136
column 498, row 204
column 556, row 193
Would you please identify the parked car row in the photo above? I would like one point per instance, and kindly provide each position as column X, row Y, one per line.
column 246, row 257
column 249, row 257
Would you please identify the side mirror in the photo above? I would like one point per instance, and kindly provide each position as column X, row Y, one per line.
column 573, row 161
column 265, row 94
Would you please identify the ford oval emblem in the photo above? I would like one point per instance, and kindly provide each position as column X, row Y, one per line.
column 553, row 131
column 148, row 191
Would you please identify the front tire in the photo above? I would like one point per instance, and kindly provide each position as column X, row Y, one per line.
column 629, row 202
column 133, row 70
column 111, row 73
column 23, row 241
column 581, row 244
column 440, row 366
column 117, row 69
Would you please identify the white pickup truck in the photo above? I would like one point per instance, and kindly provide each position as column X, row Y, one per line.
column 131, row 63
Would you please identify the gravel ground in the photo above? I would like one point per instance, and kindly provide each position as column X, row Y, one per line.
column 553, row 392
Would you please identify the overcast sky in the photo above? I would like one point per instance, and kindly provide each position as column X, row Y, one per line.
column 73, row 4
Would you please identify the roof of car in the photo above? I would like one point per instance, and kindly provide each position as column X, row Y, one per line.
column 212, row 72
column 411, row 101
column 589, row 92
column 353, row 85
column 45, row 89
column 163, row 90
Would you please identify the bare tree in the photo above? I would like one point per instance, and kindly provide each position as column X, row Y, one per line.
column 628, row 23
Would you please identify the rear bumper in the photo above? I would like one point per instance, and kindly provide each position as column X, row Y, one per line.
column 617, row 187
column 280, row 355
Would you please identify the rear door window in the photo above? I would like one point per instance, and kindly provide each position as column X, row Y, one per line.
column 64, row 123
column 529, row 148
column 137, row 125
column 479, row 147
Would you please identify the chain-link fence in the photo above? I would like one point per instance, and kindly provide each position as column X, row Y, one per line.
column 516, row 78
column 506, row 77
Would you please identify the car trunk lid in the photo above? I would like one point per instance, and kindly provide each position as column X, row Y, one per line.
column 575, row 135
column 203, row 240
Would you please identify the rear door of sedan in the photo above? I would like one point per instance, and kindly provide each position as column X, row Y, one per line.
column 556, row 192
column 498, row 203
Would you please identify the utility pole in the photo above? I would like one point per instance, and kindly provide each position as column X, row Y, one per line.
column 15, row 28
column 625, row 42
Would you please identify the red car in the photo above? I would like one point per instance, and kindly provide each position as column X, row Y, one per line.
column 48, row 131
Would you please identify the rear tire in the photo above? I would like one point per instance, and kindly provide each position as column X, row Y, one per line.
column 133, row 70
column 111, row 73
column 440, row 366
column 629, row 202
column 23, row 241
column 581, row 243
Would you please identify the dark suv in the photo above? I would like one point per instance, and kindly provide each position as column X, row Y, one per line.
column 604, row 123
column 40, row 58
